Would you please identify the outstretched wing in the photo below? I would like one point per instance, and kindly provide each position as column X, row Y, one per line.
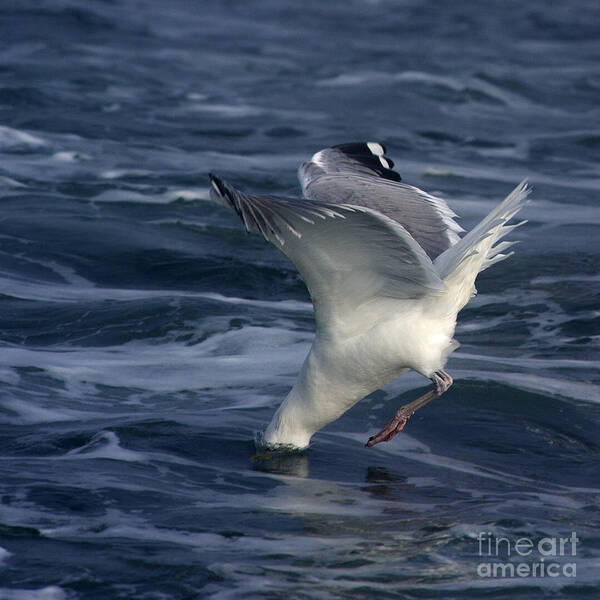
column 347, row 255
column 361, row 175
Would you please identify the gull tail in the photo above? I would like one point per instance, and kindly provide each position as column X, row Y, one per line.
column 481, row 248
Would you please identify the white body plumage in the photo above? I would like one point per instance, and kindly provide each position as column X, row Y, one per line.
column 341, row 370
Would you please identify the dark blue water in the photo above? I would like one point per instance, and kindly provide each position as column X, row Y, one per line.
column 145, row 338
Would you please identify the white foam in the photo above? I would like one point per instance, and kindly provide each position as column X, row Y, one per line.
column 11, row 183
column 240, row 358
column 362, row 77
column 539, row 384
column 4, row 554
column 118, row 525
column 138, row 195
column 70, row 156
column 52, row 592
column 188, row 194
column 560, row 278
column 30, row 412
column 478, row 325
column 82, row 289
column 130, row 196
column 196, row 96
column 121, row 173
column 290, row 305
column 14, row 138
column 454, row 84
column 227, row 110
column 9, row 375
column 535, row 364
column 106, row 444
column 349, row 79
column 112, row 107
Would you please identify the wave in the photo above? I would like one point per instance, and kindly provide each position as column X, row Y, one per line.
column 15, row 139
column 485, row 89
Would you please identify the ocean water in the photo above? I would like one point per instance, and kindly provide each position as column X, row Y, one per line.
column 145, row 338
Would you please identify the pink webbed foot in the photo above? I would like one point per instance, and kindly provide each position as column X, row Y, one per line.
column 442, row 382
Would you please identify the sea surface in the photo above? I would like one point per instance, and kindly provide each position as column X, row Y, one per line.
column 145, row 338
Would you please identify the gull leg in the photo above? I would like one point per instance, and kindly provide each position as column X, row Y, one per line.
column 441, row 380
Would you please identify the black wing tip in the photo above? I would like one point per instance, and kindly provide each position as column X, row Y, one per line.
column 218, row 184
column 371, row 155
column 224, row 190
column 229, row 194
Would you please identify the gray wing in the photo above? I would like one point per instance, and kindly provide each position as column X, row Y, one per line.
column 361, row 175
column 346, row 255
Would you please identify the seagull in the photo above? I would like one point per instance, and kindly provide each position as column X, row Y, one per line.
column 387, row 272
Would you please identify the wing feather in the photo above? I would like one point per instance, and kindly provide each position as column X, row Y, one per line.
column 346, row 254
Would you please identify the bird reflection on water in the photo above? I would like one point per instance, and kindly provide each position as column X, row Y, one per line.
column 281, row 463
column 380, row 482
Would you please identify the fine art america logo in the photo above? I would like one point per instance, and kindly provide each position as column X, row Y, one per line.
column 527, row 557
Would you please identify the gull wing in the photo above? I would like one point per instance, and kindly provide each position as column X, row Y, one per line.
column 361, row 175
column 479, row 249
column 347, row 255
